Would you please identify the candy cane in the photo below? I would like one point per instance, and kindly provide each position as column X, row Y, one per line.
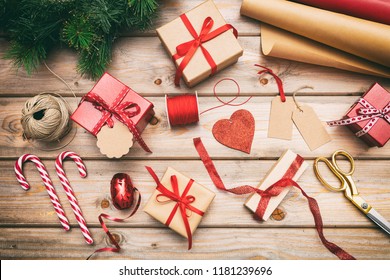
column 69, row 192
column 46, row 180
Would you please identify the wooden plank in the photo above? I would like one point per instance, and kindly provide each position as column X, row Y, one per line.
column 33, row 208
column 211, row 243
column 151, row 72
column 164, row 142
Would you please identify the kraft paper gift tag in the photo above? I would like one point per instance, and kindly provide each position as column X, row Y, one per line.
column 114, row 147
column 310, row 127
column 280, row 123
column 308, row 124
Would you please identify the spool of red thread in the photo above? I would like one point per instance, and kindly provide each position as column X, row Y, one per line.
column 182, row 109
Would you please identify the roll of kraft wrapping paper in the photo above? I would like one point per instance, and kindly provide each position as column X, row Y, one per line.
column 363, row 38
column 375, row 10
column 280, row 43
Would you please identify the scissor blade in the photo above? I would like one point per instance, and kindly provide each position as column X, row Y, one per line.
column 379, row 220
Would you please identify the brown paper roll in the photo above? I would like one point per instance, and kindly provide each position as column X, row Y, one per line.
column 363, row 38
column 280, row 43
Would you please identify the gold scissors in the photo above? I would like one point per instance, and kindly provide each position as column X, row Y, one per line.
column 348, row 186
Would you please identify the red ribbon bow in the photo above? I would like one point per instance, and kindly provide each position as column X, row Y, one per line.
column 122, row 111
column 183, row 201
column 189, row 48
column 369, row 112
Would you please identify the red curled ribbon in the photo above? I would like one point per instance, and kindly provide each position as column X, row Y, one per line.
column 273, row 190
column 188, row 49
column 122, row 111
column 110, row 236
column 277, row 79
column 369, row 112
column 183, row 201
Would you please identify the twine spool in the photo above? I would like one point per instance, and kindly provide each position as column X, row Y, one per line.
column 46, row 118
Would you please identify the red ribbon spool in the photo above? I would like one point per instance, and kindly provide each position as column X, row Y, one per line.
column 124, row 195
column 122, row 191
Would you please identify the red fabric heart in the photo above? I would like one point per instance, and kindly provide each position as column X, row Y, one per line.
column 237, row 132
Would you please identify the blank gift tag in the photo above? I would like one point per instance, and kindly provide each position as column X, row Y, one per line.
column 310, row 127
column 280, row 122
column 114, row 142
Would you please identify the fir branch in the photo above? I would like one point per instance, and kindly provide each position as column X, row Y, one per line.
column 93, row 62
column 28, row 57
column 89, row 26
column 78, row 33
column 140, row 13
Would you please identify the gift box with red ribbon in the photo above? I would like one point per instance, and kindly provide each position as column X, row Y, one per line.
column 200, row 43
column 178, row 202
column 111, row 102
column 369, row 117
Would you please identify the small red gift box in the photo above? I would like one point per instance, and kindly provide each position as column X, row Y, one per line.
column 109, row 102
column 369, row 117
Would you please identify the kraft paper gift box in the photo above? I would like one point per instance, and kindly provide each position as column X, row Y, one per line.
column 109, row 89
column 290, row 165
column 161, row 208
column 224, row 48
column 379, row 133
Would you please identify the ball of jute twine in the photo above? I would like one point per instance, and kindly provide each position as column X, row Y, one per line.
column 46, row 117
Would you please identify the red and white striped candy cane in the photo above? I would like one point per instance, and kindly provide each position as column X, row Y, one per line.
column 46, row 180
column 69, row 192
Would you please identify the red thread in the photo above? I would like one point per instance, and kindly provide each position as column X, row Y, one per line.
column 229, row 103
column 183, row 109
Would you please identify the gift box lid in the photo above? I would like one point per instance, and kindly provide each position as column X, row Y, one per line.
column 379, row 134
column 224, row 49
column 161, row 210
column 108, row 89
column 283, row 165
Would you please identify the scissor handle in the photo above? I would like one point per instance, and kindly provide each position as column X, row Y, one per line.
column 347, row 156
column 334, row 170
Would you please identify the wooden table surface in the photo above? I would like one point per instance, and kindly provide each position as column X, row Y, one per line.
column 29, row 225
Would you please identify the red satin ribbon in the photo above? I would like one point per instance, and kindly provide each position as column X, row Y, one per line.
column 108, row 217
column 277, row 79
column 273, row 190
column 122, row 111
column 183, row 201
column 188, row 49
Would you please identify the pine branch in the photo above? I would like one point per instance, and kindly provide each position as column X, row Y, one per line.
column 93, row 62
column 89, row 26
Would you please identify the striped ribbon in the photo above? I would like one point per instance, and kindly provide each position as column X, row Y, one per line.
column 368, row 112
